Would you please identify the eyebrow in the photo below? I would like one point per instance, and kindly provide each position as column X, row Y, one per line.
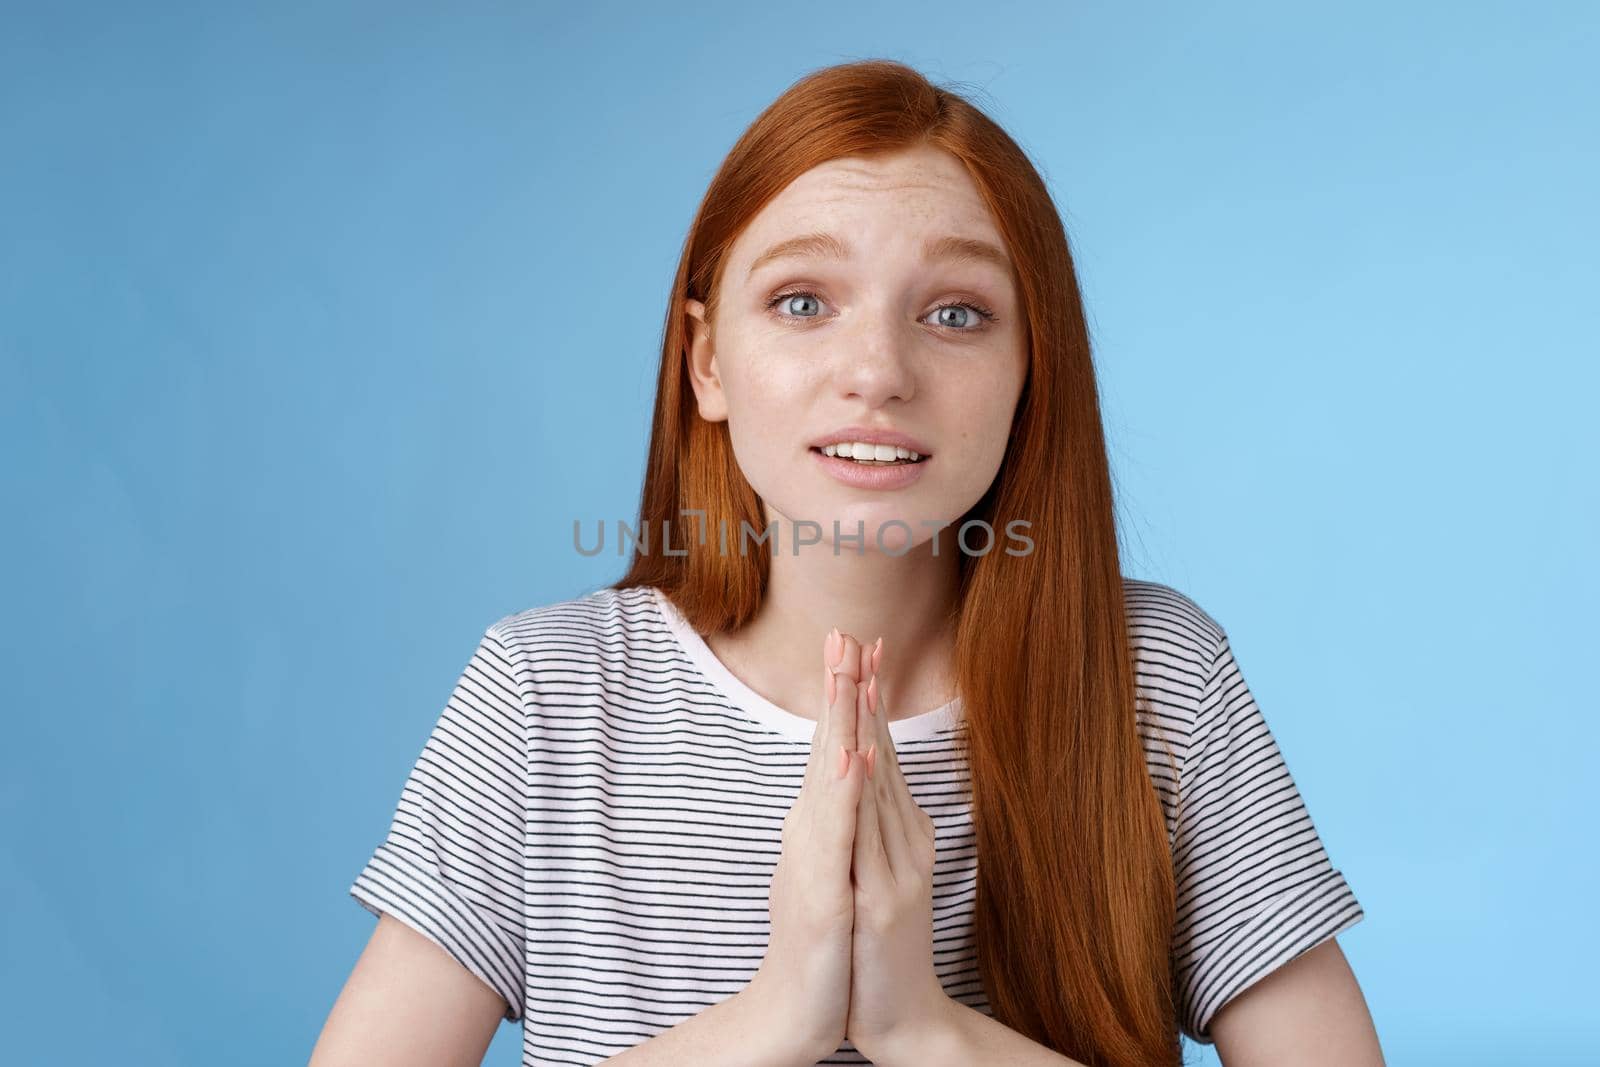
column 827, row 246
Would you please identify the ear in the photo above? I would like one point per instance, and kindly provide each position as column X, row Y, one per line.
column 704, row 375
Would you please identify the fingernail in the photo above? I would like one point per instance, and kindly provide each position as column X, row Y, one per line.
column 872, row 695
column 872, row 754
column 844, row 761
column 876, row 652
column 835, row 647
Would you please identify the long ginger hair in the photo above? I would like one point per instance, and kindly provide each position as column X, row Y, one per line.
column 1075, row 898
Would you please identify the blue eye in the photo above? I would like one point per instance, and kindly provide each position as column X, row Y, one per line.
column 956, row 307
column 984, row 314
column 790, row 296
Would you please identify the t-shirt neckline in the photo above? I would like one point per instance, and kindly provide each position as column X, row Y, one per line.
column 759, row 709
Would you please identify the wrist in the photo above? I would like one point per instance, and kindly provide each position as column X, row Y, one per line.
column 777, row 1039
column 938, row 1038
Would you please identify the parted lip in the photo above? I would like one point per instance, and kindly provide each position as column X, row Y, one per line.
column 868, row 435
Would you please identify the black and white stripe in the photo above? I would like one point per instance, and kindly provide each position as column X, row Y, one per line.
column 592, row 825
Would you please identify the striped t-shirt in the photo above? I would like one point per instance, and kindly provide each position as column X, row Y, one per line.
column 592, row 825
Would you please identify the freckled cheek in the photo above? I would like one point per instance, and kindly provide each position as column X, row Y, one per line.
column 975, row 433
column 767, row 413
column 778, row 392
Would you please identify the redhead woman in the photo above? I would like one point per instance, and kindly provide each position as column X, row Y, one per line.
column 873, row 754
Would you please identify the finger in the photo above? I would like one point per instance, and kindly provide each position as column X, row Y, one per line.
column 866, row 729
column 888, row 759
column 839, row 829
column 851, row 657
column 842, row 709
column 821, row 751
column 873, row 735
column 871, row 867
column 894, row 788
column 884, row 795
column 836, row 659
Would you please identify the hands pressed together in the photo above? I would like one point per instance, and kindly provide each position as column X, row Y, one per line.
column 851, row 950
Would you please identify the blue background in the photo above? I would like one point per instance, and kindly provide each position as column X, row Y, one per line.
column 320, row 323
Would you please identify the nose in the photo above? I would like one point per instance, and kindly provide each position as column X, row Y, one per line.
column 874, row 361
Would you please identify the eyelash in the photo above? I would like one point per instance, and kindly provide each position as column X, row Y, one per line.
column 984, row 313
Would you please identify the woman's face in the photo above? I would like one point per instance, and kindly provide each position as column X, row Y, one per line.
column 883, row 322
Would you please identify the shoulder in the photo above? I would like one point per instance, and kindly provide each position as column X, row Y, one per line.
column 1174, row 639
column 1174, row 643
column 606, row 628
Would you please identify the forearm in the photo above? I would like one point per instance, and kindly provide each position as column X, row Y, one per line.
column 965, row 1036
column 731, row 1032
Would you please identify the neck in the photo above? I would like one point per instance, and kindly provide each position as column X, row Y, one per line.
column 906, row 599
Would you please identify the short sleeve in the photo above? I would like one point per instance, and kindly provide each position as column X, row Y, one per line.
column 451, row 864
column 1255, row 887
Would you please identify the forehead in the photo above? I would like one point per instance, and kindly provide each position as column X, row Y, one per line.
column 912, row 194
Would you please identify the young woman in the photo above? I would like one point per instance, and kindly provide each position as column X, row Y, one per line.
column 1026, row 812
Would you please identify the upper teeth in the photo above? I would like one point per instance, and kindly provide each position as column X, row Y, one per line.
column 862, row 450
